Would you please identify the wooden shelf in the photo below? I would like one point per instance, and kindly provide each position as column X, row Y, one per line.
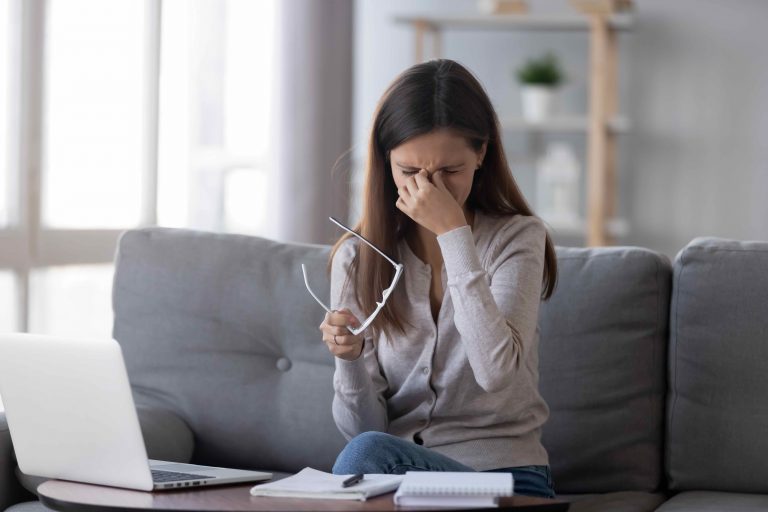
column 601, row 125
column 514, row 21
column 577, row 124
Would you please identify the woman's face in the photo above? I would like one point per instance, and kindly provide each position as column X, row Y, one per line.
column 441, row 151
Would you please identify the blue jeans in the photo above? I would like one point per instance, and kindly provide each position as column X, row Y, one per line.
column 377, row 452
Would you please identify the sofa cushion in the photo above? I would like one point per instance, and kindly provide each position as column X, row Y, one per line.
column 708, row 501
column 166, row 436
column 220, row 330
column 624, row 501
column 29, row 506
column 29, row 482
column 602, row 369
column 718, row 372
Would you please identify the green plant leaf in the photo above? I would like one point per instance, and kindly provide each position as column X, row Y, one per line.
column 544, row 70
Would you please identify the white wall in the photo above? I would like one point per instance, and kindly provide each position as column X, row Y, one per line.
column 693, row 85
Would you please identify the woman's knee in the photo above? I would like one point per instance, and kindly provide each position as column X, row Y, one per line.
column 364, row 453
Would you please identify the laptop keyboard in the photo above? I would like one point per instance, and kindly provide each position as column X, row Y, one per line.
column 174, row 476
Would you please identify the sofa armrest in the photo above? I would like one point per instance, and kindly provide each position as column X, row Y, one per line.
column 11, row 491
column 166, row 435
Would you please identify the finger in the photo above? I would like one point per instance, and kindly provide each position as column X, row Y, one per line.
column 341, row 341
column 342, row 317
column 333, row 349
column 336, row 350
column 403, row 192
column 341, row 325
column 422, row 180
column 402, row 206
column 324, row 323
column 352, row 318
column 411, row 185
column 337, row 330
column 437, row 179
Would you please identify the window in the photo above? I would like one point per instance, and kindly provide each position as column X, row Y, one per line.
column 8, row 299
column 145, row 111
column 72, row 301
column 5, row 103
column 94, row 113
column 8, row 302
column 10, row 241
column 215, row 97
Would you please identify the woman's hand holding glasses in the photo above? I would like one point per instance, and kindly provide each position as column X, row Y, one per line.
column 340, row 341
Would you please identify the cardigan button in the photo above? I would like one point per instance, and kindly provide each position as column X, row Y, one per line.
column 284, row 364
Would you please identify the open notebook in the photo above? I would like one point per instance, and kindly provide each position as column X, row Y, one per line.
column 311, row 483
column 453, row 489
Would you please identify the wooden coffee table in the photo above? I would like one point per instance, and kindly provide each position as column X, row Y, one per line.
column 70, row 496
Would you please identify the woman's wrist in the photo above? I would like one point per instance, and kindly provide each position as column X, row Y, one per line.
column 450, row 227
column 360, row 353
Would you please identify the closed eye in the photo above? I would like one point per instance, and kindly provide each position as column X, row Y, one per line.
column 408, row 173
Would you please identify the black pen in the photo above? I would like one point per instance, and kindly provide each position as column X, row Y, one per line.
column 354, row 479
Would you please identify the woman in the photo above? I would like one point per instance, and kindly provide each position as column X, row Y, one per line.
column 446, row 376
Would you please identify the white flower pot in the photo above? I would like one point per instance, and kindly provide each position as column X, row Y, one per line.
column 502, row 6
column 538, row 102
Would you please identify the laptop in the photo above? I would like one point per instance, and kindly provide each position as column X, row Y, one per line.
column 71, row 415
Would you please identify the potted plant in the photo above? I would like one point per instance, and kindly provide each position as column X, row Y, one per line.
column 539, row 79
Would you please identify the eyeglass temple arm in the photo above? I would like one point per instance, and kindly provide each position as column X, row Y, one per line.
column 361, row 237
column 306, row 283
column 351, row 329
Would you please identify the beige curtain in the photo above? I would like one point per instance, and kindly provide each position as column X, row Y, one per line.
column 313, row 116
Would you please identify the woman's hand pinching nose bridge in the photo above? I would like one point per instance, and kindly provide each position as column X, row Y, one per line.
column 425, row 198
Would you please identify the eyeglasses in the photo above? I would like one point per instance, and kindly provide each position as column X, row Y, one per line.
column 387, row 292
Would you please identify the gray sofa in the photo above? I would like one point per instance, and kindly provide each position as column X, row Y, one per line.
column 656, row 373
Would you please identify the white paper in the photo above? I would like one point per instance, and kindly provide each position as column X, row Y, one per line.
column 311, row 483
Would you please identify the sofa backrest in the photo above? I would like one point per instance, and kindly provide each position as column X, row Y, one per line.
column 603, row 366
column 717, row 426
column 221, row 330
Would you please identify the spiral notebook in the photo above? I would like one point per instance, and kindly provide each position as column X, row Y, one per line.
column 453, row 489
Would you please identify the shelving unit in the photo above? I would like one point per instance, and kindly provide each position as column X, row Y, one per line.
column 571, row 124
column 601, row 125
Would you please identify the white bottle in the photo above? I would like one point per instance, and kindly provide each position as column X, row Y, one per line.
column 557, row 186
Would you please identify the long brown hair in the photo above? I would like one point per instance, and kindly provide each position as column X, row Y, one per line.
column 435, row 94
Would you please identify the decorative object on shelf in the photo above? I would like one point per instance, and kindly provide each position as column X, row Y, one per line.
column 602, row 6
column 557, row 187
column 502, row 6
column 539, row 79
